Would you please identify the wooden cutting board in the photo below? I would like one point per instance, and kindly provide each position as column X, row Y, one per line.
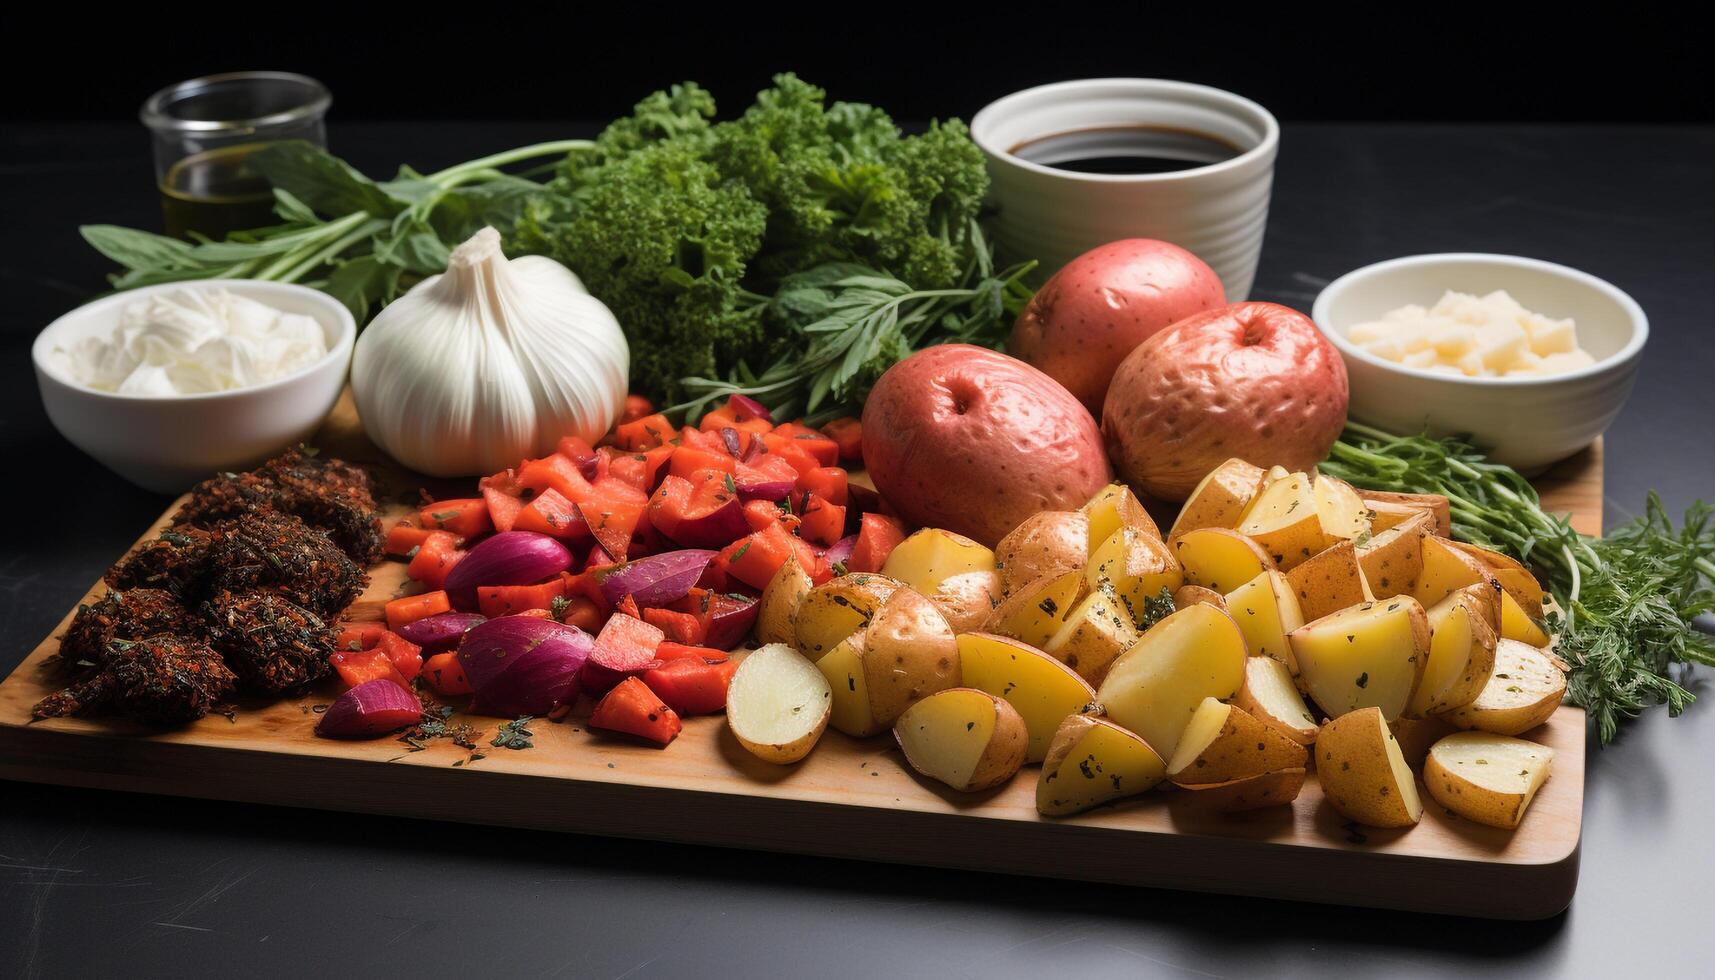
column 852, row 798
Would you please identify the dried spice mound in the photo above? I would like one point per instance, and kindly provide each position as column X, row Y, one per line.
column 272, row 643
column 278, row 551
column 176, row 561
column 330, row 494
column 129, row 615
column 158, row 681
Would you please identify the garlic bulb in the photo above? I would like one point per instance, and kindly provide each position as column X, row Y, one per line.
column 489, row 363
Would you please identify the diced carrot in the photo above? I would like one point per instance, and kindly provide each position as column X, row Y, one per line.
column 632, row 708
column 669, row 651
column 822, row 522
column 754, row 559
column 687, row 460
column 434, row 559
column 812, row 441
column 760, row 514
column 411, row 608
column 692, row 686
column 356, row 637
column 359, row 667
column 466, row 518
column 584, row 613
column 681, row 504
column 636, row 406
column 495, row 601
column 552, row 514
column 444, row 673
column 771, row 468
column 406, row 657
column 537, row 614
column 631, row 469
column 878, row 535
column 847, row 433
column 644, row 433
column 612, row 522
column 734, row 415
column 503, row 508
column 827, row 482
column 405, row 535
column 578, row 451
column 680, row 627
column 555, row 472
column 787, row 448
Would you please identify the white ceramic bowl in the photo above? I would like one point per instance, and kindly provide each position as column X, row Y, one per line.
column 167, row 444
column 1216, row 211
column 1526, row 423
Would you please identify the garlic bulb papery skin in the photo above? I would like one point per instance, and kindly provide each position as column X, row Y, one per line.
column 491, row 362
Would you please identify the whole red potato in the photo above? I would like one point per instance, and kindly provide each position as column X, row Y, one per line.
column 974, row 441
column 1252, row 380
column 1085, row 319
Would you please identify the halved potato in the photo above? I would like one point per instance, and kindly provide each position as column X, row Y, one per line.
column 1092, row 761
column 1363, row 771
column 1329, row 581
column 1342, row 512
column 1253, row 793
column 1461, row 653
column 1516, row 624
column 1114, row 507
column 778, row 704
column 1439, row 508
column 1223, row 743
column 1266, row 611
column 1270, row 696
column 1370, row 655
column 837, row 608
column 1156, row 685
column 1392, row 560
column 1490, row 779
column 967, row 599
column 968, row 739
column 1043, row 690
column 843, row 668
column 1190, row 595
column 1445, row 570
column 1034, row 612
column 1283, row 521
column 778, row 607
column 931, row 556
column 900, row 650
column 1525, row 689
column 1095, row 633
column 1137, row 565
column 1047, row 543
column 1220, row 499
column 1219, row 559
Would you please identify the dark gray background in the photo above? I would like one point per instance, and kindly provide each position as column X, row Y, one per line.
column 103, row 884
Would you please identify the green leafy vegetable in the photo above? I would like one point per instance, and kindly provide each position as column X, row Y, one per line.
column 1630, row 597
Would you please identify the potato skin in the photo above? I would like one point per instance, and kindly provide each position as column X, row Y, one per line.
column 1043, row 546
column 1352, row 763
column 778, row 607
column 968, row 599
column 1251, row 793
column 1252, row 380
column 909, row 653
column 973, row 441
column 1006, row 749
column 1088, row 316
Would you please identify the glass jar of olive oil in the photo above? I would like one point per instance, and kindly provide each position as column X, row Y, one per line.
column 204, row 132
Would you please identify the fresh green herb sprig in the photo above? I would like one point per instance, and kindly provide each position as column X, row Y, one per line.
column 1630, row 598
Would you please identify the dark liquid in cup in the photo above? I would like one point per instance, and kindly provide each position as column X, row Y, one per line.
column 1126, row 150
column 216, row 192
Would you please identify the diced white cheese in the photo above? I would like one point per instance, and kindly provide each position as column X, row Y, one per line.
column 1476, row 336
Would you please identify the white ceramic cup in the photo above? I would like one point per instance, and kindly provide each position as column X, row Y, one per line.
column 1216, row 211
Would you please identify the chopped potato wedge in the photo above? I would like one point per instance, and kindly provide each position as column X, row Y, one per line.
column 1046, row 544
column 1273, row 699
column 931, row 556
column 1253, row 793
column 1369, row 655
column 1490, row 779
column 1283, row 521
column 1042, row 689
column 1096, row 632
column 1518, row 625
column 1156, row 685
column 968, row 739
column 1223, row 743
column 1461, row 654
column 1329, row 581
column 1436, row 506
column 1518, row 581
column 778, row 704
column 1445, row 569
column 1342, row 512
column 1386, row 516
column 1190, row 595
column 1522, row 693
column 1034, row 612
column 1392, row 560
column 892, row 651
column 1092, row 761
column 1266, row 611
column 967, row 599
column 1137, row 565
column 1114, row 507
column 1363, row 771
column 834, row 610
column 1219, row 559
column 1220, row 500
column 843, row 667
column 777, row 610
column 1416, row 735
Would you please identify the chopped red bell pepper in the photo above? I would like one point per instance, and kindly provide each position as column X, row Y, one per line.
column 692, row 686
column 687, row 460
column 822, row 522
column 878, row 535
column 444, row 673
column 466, row 518
column 552, row 514
column 406, row 657
column 754, row 559
column 813, row 441
column 631, row 707
column 435, row 557
column 644, row 433
column 409, row 609
column 555, row 472
column 356, row 637
column 679, row 627
column 612, row 520
column 361, row 666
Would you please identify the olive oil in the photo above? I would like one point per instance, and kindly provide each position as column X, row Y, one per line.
column 215, row 192
column 1127, row 150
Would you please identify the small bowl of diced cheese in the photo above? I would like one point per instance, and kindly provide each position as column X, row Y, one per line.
column 1530, row 359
